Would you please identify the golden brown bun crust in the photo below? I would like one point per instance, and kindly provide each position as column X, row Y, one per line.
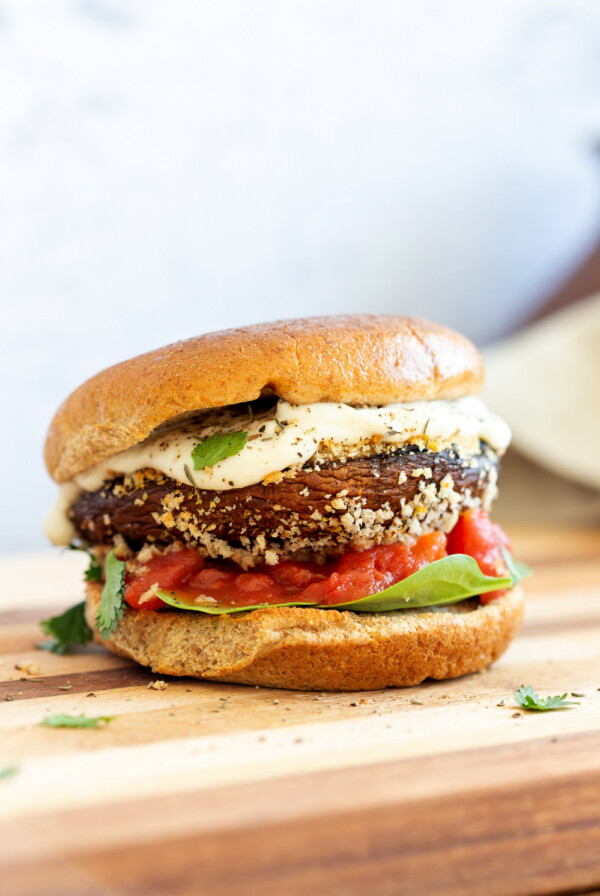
column 306, row 649
column 356, row 359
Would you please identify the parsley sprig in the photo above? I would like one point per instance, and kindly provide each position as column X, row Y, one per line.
column 61, row 721
column 527, row 699
column 68, row 630
column 211, row 450
column 111, row 607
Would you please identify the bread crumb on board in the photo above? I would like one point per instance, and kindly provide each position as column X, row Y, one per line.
column 28, row 668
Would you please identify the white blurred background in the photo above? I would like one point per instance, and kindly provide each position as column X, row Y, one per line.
column 169, row 168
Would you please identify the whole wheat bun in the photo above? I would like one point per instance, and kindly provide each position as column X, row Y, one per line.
column 355, row 359
column 302, row 648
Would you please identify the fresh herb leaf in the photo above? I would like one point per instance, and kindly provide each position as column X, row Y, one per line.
column 111, row 608
column 94, row 571
column 8, row 772
column 517, row 571
column 446, row 581
column 68, row 630
column 215, row 610
column 527, row 699
column 60, row 721
column 216, row 447
column 53, row 646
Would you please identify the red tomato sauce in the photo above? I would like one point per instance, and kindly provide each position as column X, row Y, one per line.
column 354, row 575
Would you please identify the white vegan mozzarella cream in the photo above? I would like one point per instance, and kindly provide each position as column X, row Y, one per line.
column 286, row 436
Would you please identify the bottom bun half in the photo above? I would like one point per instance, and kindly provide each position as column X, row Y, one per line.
column 308, row 649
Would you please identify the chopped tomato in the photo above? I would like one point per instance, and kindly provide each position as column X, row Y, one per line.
column 254, row 584
column 476, row 535
column 410, row 559
column 360, row 573
column 355, row 575
column 167, row 570
column 210, row 578
column 299, row 575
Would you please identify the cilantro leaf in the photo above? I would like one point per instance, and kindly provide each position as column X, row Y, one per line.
column 216, row 447
column 527, row 699
column 94, row 571
column 67, row 630
column 111, row 608
column 61, row 721
column 8, row 772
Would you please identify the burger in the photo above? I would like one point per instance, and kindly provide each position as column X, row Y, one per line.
column 299, row 504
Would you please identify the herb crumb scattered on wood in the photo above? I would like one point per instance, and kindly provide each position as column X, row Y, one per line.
column 58, row 720
column 527, row 699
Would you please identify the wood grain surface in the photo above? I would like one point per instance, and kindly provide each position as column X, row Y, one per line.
column 224, row 789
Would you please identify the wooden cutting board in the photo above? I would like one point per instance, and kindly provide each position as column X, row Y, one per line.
column 224, row 789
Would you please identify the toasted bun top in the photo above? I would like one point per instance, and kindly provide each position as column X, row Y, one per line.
column 355, row 359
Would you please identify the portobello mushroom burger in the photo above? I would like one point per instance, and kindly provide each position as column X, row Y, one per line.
column 299, row 504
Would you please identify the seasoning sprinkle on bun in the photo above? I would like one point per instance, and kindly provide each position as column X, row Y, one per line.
column 299, row 504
